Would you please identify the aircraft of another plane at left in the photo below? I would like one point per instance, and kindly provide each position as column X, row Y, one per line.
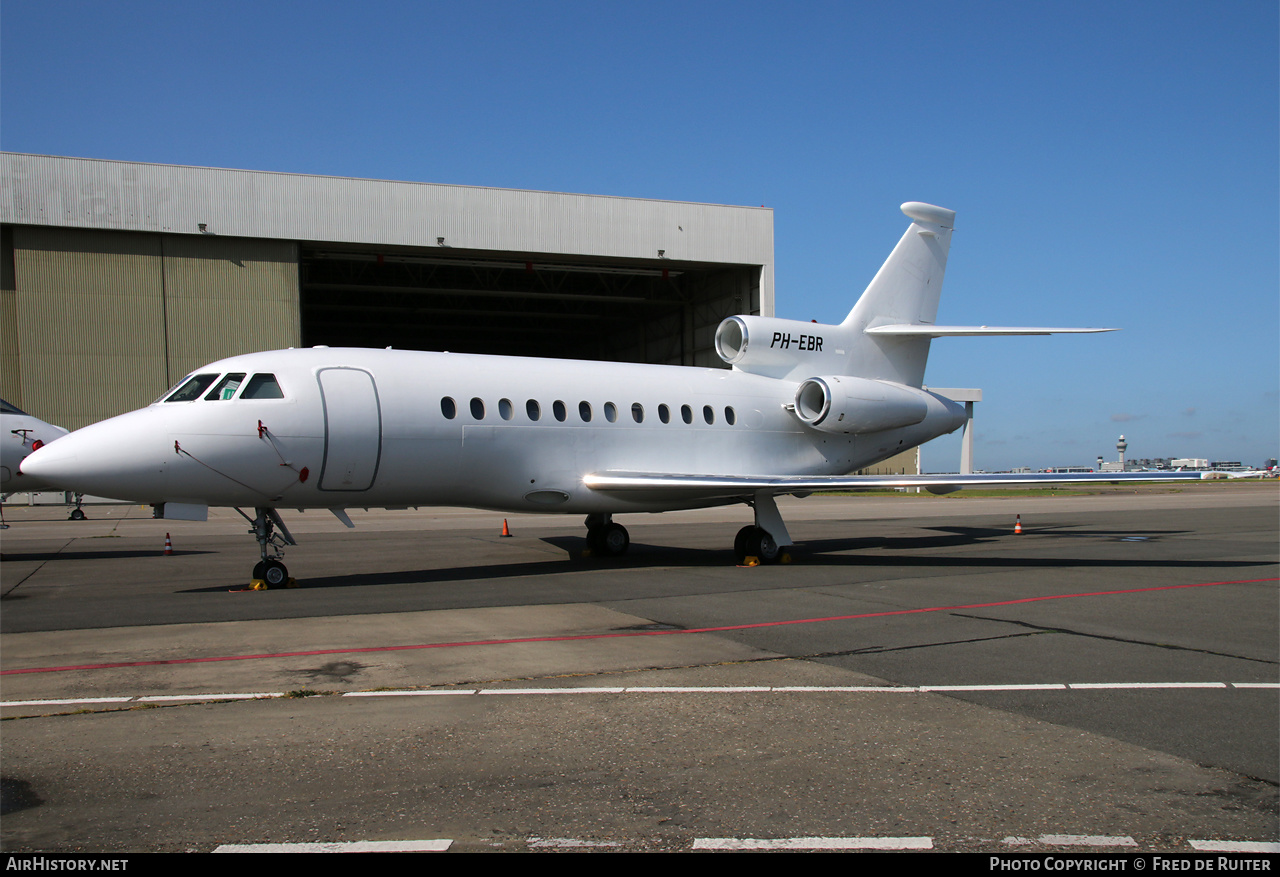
column 20, row 435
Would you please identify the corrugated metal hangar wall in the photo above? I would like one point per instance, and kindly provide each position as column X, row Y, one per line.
column 105, row 320
column 119, row 278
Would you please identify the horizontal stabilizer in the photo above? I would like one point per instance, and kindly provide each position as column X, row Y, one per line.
column 924, row 330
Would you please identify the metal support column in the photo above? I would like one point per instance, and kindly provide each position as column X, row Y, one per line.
column 966, row 441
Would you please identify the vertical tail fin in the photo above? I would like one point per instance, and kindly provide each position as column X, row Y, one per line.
column 904, row 292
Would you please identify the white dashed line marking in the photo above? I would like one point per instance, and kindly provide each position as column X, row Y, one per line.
column 1084, row 685
column 670, row 689
column 359, row 846
column 568, row 843
column 1234, row 846
column 1086, row 840
column 814, row 843
column 747, row 843
column 1048, row 686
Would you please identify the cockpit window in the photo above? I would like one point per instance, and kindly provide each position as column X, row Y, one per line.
column 262, row 387
column 226, row 388
column 192, row 388
column 6, row 408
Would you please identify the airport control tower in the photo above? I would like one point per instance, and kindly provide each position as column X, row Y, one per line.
column 1120, row 448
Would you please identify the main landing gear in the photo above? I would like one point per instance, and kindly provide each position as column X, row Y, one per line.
column 766, row 538
column 756, row 542
column 270, row 572
column 605, row 538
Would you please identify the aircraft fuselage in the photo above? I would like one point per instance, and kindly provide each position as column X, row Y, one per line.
column 389, row 428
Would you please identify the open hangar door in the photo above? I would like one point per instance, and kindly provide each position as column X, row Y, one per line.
column 521, row 304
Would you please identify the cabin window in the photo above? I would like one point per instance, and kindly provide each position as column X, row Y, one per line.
column 708, row 414
column 729, row 417
column 584, row 411
column 558, row 409
column 664, row 413
column 532, row 409
column 262, row 387
column 686, row 414
column 193, row 388
column 477, row 408
column 637, row 412
column 448, row 408
column 226, row 388
column 504, row 409
column 610, row 412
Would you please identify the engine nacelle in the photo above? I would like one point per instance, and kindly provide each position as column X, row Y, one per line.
column 774, row 347
column 855, row 406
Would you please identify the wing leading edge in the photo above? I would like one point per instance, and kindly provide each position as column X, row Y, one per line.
column 728, row 486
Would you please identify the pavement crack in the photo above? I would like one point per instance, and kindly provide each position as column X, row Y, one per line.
column 1117, row 639
column 884, row 650
column 19, row 583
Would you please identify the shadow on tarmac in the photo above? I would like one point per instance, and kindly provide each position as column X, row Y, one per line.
column 46, row 556
column 831, row 553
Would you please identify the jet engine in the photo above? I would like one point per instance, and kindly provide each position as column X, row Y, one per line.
column 842, row 404
column 774, row 347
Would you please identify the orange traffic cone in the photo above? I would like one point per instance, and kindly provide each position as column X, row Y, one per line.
column 168, row 545
column 506, row 531
column 1017, row 527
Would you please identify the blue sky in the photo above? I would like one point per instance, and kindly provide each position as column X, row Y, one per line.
column 1112, row 164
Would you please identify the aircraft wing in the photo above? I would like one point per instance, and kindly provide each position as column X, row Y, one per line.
column 729, row 486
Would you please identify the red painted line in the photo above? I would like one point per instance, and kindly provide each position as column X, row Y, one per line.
column 633, row 633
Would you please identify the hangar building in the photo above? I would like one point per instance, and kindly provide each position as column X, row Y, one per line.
column 119, row 278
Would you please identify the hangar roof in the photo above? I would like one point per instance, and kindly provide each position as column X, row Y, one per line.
column 134, row 196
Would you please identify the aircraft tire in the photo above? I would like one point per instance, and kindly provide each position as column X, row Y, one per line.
column 614, row 540
column 741, row 541
column 763, row 546
column 274, row 573
column 77, row 515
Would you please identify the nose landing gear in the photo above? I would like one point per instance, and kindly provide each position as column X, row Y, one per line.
column 270, row 572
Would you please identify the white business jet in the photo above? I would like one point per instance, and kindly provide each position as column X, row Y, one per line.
column 20, row 435
column 803, row 404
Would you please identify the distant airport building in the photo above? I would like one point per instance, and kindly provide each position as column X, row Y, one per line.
column 120, row 277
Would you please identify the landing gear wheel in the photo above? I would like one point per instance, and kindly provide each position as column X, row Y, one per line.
column 270, row 572
column 77, row 515
column 756, row 542
column 763, row 546
column 615, row 540
column 273, row 572
column 605, row 538
column 609, row 540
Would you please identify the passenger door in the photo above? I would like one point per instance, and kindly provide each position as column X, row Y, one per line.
column 352, row 429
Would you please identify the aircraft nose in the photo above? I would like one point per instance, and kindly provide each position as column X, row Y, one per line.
column 105, row 459
column 47, row 465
